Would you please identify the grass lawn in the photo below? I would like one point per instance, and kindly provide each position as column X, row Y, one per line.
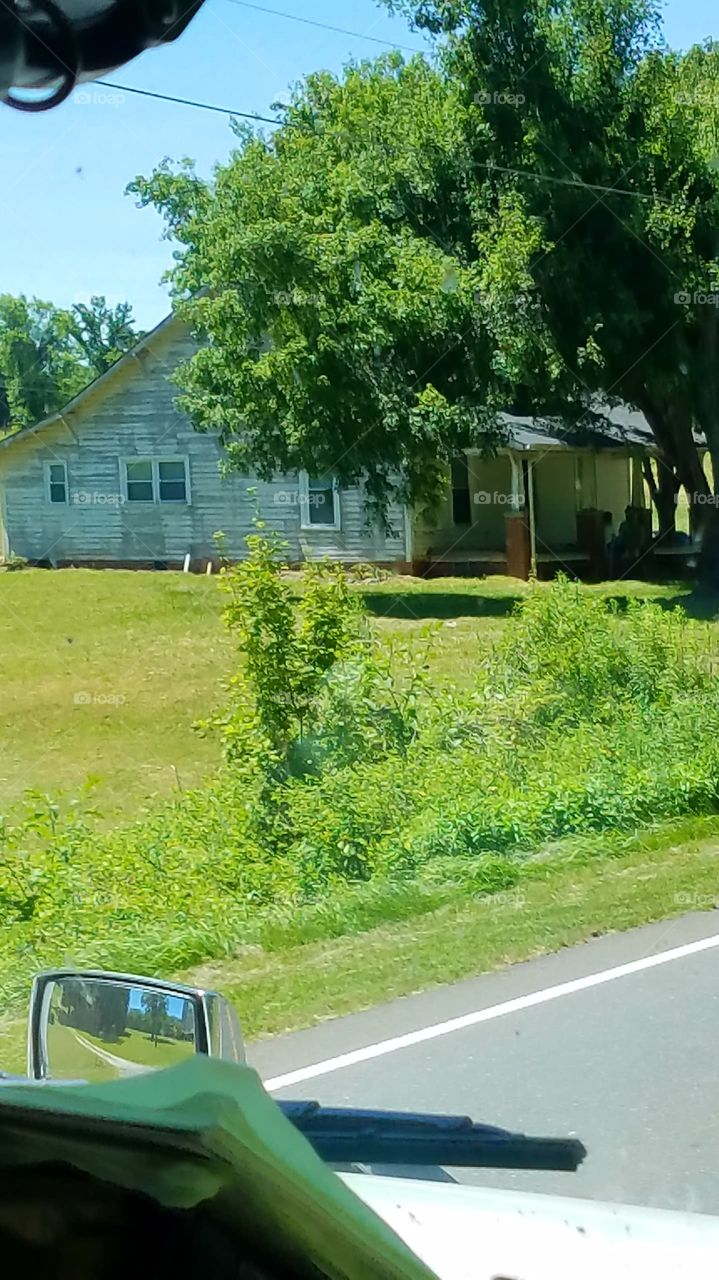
column 104, row 673
column 103, row 676
column 570, row 892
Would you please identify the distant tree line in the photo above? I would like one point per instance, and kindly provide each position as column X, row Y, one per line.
column 48, row 353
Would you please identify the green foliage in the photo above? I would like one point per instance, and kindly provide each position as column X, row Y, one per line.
column 529, row 223
column 47, row 354
column 313, row 692
column 350, row 337
column 582, row 720
column 99, row 334
column 287, row 650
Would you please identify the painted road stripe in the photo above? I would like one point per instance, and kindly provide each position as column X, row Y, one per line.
column 382, row 1047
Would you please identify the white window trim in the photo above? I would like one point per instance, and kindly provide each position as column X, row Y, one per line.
column 47, row 464
column 155, row 463
column 305, row 523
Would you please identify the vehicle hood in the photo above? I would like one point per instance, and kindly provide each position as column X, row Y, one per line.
column 475, row 1233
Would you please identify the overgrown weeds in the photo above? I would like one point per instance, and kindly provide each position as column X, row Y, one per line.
column 344, row 767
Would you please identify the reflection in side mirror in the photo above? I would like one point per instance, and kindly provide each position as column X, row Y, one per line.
column 90, row 1025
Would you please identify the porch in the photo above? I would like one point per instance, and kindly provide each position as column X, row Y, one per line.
column 535, row 508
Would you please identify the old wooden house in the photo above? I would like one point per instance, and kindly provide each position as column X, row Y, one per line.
column 119, row 477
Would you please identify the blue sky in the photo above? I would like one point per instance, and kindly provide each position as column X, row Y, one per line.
column 66, row 228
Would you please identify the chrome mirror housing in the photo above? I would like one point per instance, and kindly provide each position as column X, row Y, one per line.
column 92, row 1025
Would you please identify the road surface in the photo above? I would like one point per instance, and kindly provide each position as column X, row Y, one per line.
column 616, row 1040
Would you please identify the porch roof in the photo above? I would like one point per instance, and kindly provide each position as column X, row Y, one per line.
column 603, row 428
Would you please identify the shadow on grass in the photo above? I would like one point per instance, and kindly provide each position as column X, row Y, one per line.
column 438, row 604
column 700, row 605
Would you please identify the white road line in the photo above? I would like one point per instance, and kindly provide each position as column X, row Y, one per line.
column 438, row 1029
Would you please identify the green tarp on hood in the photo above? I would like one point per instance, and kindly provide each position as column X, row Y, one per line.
column 206, row 1132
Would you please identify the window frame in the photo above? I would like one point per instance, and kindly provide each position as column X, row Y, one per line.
column 156, row 500
column 305, row 523
column 48, row 463
column 456, row 489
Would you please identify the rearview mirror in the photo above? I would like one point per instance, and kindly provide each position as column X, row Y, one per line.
column 92, row 1025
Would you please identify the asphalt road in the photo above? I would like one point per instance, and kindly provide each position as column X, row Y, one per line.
column 629, row 1062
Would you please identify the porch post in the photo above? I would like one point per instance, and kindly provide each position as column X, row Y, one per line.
column 517, row 536
column 532, row 521
column 590, row 525
column 637, row 482
column 638, row 500
column 517, row 503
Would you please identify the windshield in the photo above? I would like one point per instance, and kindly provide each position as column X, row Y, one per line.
column 359, row 567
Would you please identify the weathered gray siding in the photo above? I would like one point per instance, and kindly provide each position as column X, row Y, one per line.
column 133, row 414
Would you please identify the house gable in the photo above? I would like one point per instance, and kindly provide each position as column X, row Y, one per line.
column 130, row 413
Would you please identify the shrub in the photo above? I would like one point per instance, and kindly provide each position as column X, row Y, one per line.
column 341, row 769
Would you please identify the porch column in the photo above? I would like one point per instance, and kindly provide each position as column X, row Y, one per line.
column 532, row 520
column 517, row 534
column 637, row 481
column 590, row 524
column 638, row 500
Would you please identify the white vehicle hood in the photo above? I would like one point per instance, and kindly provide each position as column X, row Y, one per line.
column 474, row 1233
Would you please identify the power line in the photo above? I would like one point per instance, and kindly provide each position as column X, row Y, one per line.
column 186, row 102
column 488, row 166
column 325, row 26
column 569, row 182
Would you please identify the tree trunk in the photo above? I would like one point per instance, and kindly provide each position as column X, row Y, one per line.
column 663, row 489
column 673, row 429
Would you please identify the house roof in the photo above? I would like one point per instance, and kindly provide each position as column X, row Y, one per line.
column 598, row 432
column 606, row 427
column 100, row 381
column 602, row 427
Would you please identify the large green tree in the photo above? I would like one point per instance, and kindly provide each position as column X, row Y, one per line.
column 38, row 372
column 416, row 248
column 334, row 269
column 609, row 141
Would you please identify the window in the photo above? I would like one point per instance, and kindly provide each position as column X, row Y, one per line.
column 139, row 482
column 461, row 505
column 319, row 502
column 156, row 480
column 56, row 482
column 172, row 482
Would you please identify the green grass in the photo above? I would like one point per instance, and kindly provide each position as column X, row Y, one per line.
column 569, row 892
column 103, row 677
column 104, row 673
column 576, row 891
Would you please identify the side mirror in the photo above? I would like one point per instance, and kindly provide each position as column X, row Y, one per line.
column 92, row 1025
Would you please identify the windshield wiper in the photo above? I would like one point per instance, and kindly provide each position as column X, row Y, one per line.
column 343, row 1135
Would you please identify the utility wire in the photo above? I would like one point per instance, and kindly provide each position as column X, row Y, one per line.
column 568, row 182
column 488, row 166
column 325, row 26
column 186, row 102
